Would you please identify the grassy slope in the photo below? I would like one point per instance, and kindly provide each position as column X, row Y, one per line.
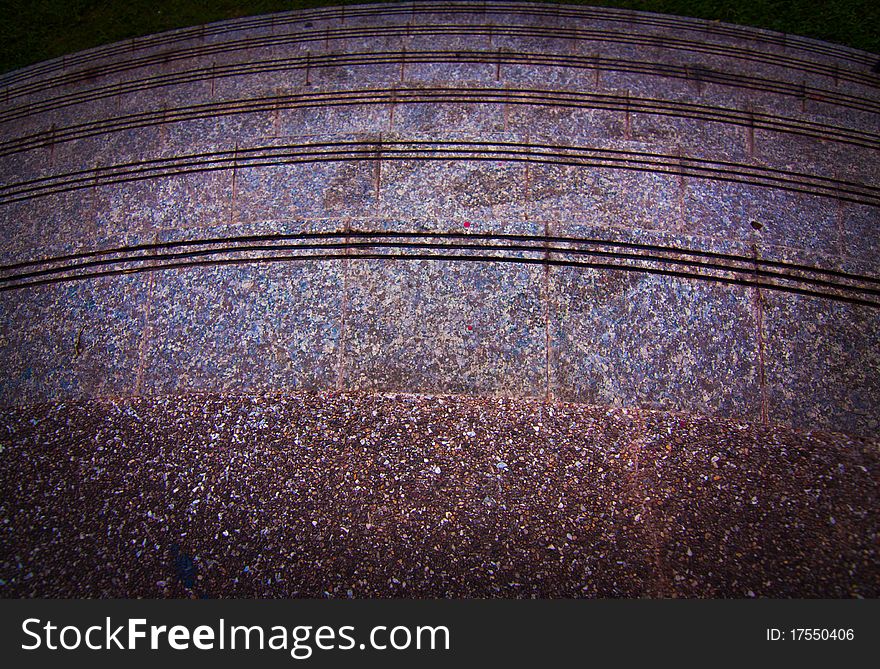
column 35, row 30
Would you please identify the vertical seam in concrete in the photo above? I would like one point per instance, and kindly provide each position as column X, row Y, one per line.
column 760, row 307
column 528, row 185
column 658, row 585
column 527, row 189
column 377, row 175
column 759, row 318
column 52, row 132
column 145, row 335
column 234, row 177
column 750, row 133
column 682, row 186
column 340, row 360
column 841, row 236
column 391, row 109
column 163, row 126
column 93, row 195
column 548, row 394
column 276, row 113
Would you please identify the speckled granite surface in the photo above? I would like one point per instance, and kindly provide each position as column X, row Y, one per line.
column 542, row 204
column 324, row 495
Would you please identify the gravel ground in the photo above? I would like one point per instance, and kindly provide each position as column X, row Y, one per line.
column 370, row 495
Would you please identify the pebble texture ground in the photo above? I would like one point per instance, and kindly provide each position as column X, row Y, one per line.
column 526, row 209
column 321, row 495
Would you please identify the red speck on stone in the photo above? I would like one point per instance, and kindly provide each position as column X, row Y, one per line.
column 467, row 224
column 470, row 327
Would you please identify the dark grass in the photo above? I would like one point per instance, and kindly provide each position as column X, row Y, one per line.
column 35, row 30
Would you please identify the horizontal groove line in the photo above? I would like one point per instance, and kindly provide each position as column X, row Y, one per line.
column 405, row 96
column 486, row 236
column 291, row 19
column 383, row 147
column 205, row 74
column 273, row 21
column 447, row 30
column 538, row 244
column 446, row 151
column 184, row 260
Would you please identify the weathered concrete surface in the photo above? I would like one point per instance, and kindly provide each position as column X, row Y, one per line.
column 663, row 354
column 577, row 205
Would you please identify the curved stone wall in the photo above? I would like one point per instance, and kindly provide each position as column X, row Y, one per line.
column 582, row 204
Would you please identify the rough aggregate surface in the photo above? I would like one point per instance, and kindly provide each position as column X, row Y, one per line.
column 261, row 290
column 379, row 495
